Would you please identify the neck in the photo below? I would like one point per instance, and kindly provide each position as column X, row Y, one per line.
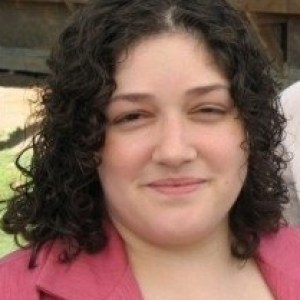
column 209, row 258
column 202, row 270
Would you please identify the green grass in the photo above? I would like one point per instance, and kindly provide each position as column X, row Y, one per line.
column 8, row 174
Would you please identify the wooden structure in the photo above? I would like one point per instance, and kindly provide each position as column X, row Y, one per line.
column 270, row 6
column 28, row 28
column 277, row 23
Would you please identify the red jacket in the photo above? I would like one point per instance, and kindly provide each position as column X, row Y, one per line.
column 107, row 275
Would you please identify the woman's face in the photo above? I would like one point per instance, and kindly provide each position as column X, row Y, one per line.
column 172, row 164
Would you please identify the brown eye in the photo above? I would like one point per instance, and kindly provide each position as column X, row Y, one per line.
column 212, row 110
column 130, row 117
column 208, row 113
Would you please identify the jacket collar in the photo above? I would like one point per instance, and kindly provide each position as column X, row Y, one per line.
column 279, row 262
column 105, row 275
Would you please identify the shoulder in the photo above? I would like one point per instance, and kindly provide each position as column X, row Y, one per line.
column 286, row 237
column 102, row 275
column 18, row 261
column 14, row 273
column 282, row 250
column 285, row 233
column 16, row 279
column 17, row 257
column 279, row 262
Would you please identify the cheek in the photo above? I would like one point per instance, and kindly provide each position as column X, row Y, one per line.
column 226, row 148
column 123, row 158
column 235, row 159
column 226, row 156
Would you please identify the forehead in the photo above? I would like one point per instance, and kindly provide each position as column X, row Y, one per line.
column 164, row 47
column 168, row 63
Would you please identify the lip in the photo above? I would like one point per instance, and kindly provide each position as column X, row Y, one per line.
column 176, row 186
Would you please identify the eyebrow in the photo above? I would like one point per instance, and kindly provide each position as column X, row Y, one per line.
column 206, row 89
column 199, row 90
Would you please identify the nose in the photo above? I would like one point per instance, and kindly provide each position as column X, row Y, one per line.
column 175, row 145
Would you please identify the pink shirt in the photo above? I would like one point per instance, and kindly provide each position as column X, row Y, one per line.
column 107, row 275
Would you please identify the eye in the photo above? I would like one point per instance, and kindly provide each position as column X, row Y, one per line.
column 212, row 110
column 208, row 112
column 131, row 118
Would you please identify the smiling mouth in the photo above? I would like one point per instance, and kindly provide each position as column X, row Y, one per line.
column 178, row 186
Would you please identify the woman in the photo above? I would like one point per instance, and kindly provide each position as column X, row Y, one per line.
column 154, row 174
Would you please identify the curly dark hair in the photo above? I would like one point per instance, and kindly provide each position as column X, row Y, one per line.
column 62, row 197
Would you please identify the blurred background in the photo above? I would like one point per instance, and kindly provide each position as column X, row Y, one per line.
column 28, row 28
